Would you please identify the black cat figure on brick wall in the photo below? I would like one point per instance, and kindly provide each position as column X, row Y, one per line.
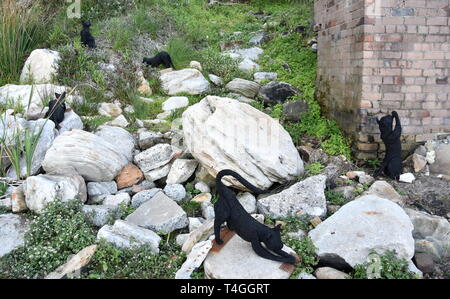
column 392, row 163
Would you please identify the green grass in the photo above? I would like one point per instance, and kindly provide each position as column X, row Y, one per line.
column 335, row 198
column 314, row 168
column 21, row 30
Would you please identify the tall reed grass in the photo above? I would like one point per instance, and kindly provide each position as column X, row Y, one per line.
column 21, row 30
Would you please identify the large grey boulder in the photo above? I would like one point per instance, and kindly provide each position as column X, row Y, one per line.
column 120, row 138
column 125, row 235
column 238, row 260
column 42, row 189
column 244, row 87
column 252, row 143
column 365, row 224
column 277, row 92
column 40, row 67
column 159, row 213
column 303, row 198
column 12, row 232
column 44, row 133
column 431, row 234
column 189, row 81
column 89, row 155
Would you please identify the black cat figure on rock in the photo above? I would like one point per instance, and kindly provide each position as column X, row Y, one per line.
column 392, row 163
column 228, row 209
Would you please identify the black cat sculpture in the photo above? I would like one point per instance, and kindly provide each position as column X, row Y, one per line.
column 86, row 37
column 392, row 163
column 56, row 109
column 228, row 209
column 160, row 58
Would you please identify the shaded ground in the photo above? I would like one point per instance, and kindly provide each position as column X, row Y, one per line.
column 429, row 194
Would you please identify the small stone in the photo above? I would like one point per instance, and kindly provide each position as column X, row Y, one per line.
column 407, row 178
column 366, row 179
column 109, row 110
column 298, row 235
column 173, row 103
column 315, row 221
column 194, row 223
column 18, row 203
column 354, row 174
column 120, row 121
column 175, row 191
column 181, row 238
column 264, row 76
column 216, row 80
column 330, row 273
column 304, row 275
column 419, row 162
column 431, row 157
column 147, row 139
column 118, row 199
column 129, row 176
column 424, row 262
column 202, row 187
column 97, row 191
column 196, row 65
column 244, row 87
column 181, row 171
column 204, row 197
column 208, row 210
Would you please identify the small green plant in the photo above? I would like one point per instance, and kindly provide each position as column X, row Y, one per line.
column 191, row 189
column 192, row 208
column 335, row 198
column 390, row 267
column 314, row 168
column 3, row 188
column 374, row 163
column 305, row 249
column 53, row 236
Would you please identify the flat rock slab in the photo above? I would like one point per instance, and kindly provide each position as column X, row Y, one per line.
column 237, row 260
column 159, row 213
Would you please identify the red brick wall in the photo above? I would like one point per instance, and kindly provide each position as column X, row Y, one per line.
column 376, row 56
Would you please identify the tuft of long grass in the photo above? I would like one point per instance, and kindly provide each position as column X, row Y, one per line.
column 20, row 32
